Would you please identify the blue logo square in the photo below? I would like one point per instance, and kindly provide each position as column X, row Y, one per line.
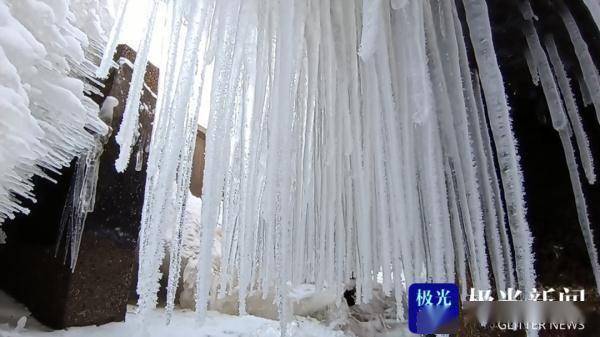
column 433, row 308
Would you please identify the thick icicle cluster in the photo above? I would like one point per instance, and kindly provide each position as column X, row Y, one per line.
column 347, row 140
column 46, row 53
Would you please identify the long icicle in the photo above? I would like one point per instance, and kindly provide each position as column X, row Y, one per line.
column 129, row 127
column 590, row 72
column 111, row 47
column 564, row 84
column 562, row 126
column 504, row 139
column 336, row 155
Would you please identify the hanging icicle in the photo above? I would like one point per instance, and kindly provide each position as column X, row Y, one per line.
column 591, row 77
column 113, row 40
column 80, row 201
column 561, row 124
column 501, row 126
column 347, row 140
column 564, row 84
column 594, row 9
column 126, row 137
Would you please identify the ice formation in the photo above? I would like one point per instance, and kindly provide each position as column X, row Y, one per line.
column 564, row 84
column 81, row 201
column 591, row 78
column 594, row 8
column 48, row 51
column 565, row 126
column 348, row 139
column 126, row 137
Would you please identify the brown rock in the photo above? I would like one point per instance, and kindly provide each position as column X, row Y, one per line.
column 96, row 292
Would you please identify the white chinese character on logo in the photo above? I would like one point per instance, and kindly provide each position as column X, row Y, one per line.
column 510, row 295
column 481, row 296
column 424, row 297
column 565, row 296
column 545, row 295
column 534, row 295
column 443, row 298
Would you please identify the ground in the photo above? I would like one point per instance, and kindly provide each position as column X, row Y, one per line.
column 183, row 324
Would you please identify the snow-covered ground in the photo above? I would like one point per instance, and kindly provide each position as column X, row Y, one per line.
column 183, row 324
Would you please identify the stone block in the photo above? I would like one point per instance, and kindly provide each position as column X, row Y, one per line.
column 97, row 290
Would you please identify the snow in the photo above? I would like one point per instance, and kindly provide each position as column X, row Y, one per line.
column 19, row 323
column 47, row 50
column 107, row 109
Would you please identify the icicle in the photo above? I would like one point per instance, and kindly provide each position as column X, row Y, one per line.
column 535, row 76
column 399, row 4
column 170, row 162
column 567, row 94
column 581, row 206
column 129, row 127
column 499, row 207
column 500, row 123
column 590, row 72
column 560, row 123
column 585, row 95
column 594, row 8
column 526, row 11
column 111, row 47
column 553, row 99
column 80, row 201
column 371, row 22
column 495, row 228
column 452, row 119
column 212, row 189
column 339, row 133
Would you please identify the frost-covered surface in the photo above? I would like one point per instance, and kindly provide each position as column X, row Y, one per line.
column 346, row 140
column 183, row 324
column 46, row 52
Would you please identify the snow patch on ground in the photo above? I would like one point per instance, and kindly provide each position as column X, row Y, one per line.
column 183, row 324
